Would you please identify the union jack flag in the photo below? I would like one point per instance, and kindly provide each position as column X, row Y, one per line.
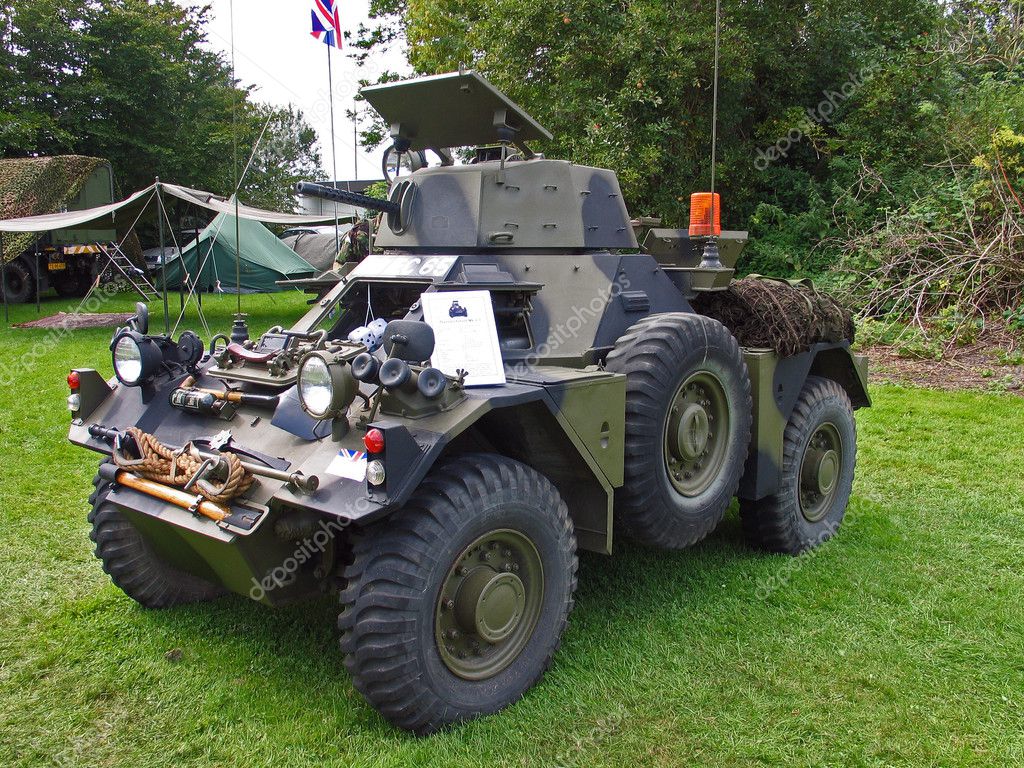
column 326, row 24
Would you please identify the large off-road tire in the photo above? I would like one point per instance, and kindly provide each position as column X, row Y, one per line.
column 19, row 282
column 132, row 565
column 688, row 415
column 818, row 458
column 455, row 605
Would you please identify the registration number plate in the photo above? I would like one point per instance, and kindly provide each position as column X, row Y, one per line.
column 56, row 266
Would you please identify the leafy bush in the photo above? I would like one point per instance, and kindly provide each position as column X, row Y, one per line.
column 1015, row 318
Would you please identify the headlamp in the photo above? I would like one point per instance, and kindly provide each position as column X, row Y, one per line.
column 326, row 386
column 137, row 358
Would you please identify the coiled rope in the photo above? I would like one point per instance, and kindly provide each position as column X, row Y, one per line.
column 178, row 467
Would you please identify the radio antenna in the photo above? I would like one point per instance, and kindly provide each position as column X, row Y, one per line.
column 239, row 328
column 710, row 259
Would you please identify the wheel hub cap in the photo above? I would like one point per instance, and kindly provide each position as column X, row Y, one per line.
column 489, row 604
column 819, row 472
column 691, row 432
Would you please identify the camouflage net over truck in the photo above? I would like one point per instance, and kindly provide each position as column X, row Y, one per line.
column 770, row 313
column 30, row 186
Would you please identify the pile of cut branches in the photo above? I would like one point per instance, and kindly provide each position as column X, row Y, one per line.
column 960, row 244
column 917, row 269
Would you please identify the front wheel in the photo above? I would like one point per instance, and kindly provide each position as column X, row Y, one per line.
column 133, row 566
column 818, row 459
column 455, row 605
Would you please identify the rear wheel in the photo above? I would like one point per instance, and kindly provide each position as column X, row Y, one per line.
column 819, row 455
column 455, row 605
column 688, row 416
column 132, row 565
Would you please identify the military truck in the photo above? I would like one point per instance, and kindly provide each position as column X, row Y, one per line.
column 64, row 259
column 333, row 457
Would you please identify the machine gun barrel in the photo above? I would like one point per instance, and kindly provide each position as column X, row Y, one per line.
column 344, row 196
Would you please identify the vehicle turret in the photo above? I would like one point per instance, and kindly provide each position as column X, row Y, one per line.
column 505, row 197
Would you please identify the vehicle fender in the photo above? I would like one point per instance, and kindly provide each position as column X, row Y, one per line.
column 775, row 386
column 570, row 430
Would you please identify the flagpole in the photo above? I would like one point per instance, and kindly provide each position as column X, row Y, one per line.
column 334, row 154
column 355, row 139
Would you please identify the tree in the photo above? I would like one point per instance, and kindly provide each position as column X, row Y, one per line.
column 628, row 85
column 132, row 81
column 286, row 153
column 813, row 96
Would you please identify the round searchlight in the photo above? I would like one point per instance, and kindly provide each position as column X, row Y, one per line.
column 136, row 358
column 316, row 390
column 326, row 386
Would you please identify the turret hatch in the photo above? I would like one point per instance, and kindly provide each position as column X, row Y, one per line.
column 458, row 109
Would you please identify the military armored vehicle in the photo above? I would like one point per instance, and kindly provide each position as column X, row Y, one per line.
column 332, row 456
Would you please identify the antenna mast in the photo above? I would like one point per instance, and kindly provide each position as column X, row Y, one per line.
column 239, row 328
column 710, row 258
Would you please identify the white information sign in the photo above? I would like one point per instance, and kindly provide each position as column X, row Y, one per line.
column 465, row 335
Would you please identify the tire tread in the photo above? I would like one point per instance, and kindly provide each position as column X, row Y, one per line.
column 377, row 621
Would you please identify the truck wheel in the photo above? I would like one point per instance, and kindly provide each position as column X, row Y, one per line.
column 132, row 565
column 688, row 415
column 818, row 457
column 19, row 283
column 455, row 605
column 75, row 281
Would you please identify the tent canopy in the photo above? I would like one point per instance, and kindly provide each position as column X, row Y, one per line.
column 35, row 186
column 124, row 212
column 209, row 261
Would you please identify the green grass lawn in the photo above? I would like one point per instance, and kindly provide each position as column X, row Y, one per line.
column 899, row 642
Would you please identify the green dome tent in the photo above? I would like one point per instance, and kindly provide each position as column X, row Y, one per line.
column 210, row 262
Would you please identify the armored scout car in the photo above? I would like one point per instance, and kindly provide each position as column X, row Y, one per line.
column 333, row 457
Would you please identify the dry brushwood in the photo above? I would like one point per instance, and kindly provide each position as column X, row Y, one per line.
column 775, row 314
column 909, row 266
column 917, row 269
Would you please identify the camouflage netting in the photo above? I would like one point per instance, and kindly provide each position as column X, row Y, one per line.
column 775, row 314
column 31, row 186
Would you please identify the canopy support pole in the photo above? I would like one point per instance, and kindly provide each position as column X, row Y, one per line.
column 38, row 276
column 3, row 280
column 163, row 256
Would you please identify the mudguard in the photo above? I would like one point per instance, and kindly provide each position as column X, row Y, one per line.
column 776, row 383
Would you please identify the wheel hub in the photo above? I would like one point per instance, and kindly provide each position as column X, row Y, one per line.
column 489, row 604
column 696, row 434
column 691, row 432
column 819, row 472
